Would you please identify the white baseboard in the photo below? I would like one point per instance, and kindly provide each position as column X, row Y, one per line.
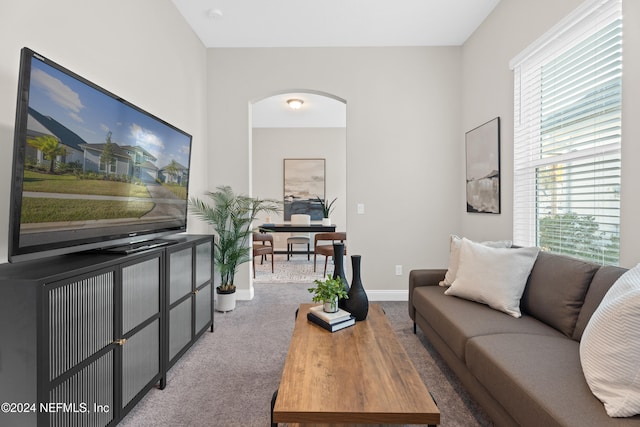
column 388, row 295
column 245, row 294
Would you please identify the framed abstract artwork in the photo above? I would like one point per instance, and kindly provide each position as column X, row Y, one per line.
column 483, row 168
column 304, row 182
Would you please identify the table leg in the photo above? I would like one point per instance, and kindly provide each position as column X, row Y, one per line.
column 273, row 404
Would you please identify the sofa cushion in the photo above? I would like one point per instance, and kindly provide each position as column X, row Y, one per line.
column 602, row 281
column 610, row 347
column 537, row 379
column 456, row 319
column 556, row 290
column 493, row 276
column 454, row 256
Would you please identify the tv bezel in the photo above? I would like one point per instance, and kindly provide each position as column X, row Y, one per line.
column 17, row 254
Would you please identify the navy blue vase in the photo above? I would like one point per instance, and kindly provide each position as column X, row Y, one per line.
column 358, row 303
column 338, row 269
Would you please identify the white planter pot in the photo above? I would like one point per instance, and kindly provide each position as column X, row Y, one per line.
column 326, row 222
column 226, row 302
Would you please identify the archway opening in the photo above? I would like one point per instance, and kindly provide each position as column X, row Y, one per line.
column 315, row 132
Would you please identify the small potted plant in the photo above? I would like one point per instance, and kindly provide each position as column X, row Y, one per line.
column 327, row 208
column 328, row 292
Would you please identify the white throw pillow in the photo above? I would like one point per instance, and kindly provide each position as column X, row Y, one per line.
column 493, row 276
column 454, row 256
column 610, row 347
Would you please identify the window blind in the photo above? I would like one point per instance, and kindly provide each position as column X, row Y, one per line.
column 567, row 136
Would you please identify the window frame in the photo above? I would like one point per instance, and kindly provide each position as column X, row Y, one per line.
column 584, row 22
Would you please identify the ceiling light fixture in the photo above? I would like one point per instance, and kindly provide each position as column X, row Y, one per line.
column 295, row 103
column 214, row 13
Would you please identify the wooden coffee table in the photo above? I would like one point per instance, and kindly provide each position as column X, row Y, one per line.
column 358, row 375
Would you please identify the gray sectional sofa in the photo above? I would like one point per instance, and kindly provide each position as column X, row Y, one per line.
column 523, row 371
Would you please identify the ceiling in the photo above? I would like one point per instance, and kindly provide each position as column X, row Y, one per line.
column 328, row 23
column 331, row 23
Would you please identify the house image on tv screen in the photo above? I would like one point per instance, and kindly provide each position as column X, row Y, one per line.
column 127, row 161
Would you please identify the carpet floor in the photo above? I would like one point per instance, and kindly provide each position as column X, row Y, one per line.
column 295, row 270
column 228, row 377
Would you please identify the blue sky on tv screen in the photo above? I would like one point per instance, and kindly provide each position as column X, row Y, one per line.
column 91, row 115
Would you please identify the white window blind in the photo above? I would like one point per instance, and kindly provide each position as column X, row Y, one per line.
column 567, row 135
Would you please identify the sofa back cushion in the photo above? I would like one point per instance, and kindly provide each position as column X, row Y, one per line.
column 556, row 290
column 604, row 278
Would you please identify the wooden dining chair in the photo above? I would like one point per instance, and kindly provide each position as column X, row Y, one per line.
column 326, row 249
column 262, row 246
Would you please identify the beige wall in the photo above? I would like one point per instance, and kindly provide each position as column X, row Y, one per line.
column 487, row 91
column 272, row 145
column 403, row 125
column 117, row 45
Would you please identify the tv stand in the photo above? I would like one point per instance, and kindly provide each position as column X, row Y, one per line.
column 99, row 329
column 136, row 247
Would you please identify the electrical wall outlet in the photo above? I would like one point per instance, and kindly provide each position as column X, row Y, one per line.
column 360, row 208
column 398, row 270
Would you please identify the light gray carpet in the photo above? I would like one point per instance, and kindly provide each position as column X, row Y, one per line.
column 228, row 377
column 296, row 270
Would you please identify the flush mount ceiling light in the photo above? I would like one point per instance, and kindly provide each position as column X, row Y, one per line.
column 295, row 103
column 214, row 13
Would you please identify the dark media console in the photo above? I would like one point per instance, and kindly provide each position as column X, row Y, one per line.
column 84, row 337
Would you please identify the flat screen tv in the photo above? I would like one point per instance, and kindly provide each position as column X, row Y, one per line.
column 90, row 170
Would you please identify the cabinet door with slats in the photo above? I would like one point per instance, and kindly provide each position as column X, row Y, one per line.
column 141, row 326
column 79, row 335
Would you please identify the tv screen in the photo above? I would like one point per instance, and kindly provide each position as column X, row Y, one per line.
column 90, row 169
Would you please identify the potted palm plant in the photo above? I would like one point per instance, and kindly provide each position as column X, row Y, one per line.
column 327, row 208
column 231, row 215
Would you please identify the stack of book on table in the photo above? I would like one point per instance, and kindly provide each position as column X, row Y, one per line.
column 330, row 321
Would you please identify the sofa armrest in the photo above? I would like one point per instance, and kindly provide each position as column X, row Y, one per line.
column 423, row 277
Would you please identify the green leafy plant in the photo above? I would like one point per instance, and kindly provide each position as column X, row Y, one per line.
column 327, row 208
column 579, row 236
column 231, row 216
column 328, row 289
column 50, row 147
